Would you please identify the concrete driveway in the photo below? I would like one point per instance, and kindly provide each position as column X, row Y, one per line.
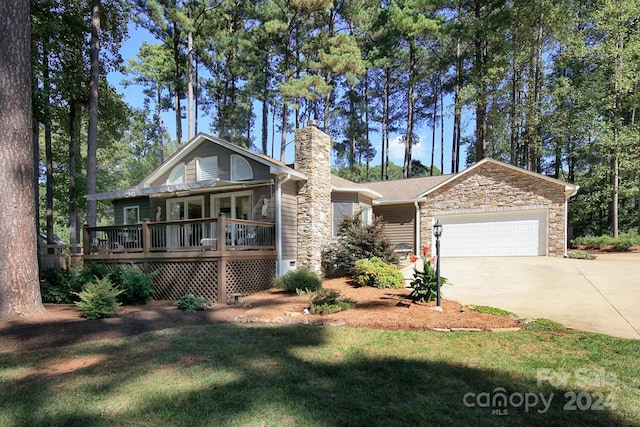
column 602, row 295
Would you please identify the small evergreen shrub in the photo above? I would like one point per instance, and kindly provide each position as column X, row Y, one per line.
column 327, row 301
column 299, row 279
column 135, row 285
column 191, row 303
column 98, row 299
column 356, row 241
column 377, row 273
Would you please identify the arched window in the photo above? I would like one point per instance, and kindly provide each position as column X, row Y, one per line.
column 240, row 168
column 177, row 175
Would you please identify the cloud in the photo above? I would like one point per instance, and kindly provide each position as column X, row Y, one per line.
column 419, row 151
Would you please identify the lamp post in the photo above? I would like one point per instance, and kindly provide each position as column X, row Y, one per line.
column 437, row 231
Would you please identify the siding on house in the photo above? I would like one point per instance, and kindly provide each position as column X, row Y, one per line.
column 208, row 149
column 142, row 203
column 400, row 222
column 289, row 200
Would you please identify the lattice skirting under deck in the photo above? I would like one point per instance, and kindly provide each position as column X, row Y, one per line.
column 174, row 279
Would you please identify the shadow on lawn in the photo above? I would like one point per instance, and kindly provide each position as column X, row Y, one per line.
column 228, row 374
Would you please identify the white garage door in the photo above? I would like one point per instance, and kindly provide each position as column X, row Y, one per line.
column 522, row 233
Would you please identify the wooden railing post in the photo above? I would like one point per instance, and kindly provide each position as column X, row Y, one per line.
column 222, row 233
column 146, row 237
column 86, row 240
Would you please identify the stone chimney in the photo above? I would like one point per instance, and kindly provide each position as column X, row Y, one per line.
column 313, row 158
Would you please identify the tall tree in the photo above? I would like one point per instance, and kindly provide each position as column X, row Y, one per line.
column 19, row 283
column 92, row 133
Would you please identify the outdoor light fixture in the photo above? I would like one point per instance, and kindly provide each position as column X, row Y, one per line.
column 437, row 231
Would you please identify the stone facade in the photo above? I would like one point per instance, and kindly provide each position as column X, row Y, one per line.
column 495, row 188
column 313, row 158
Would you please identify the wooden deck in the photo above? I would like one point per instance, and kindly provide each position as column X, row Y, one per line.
column 212, row 257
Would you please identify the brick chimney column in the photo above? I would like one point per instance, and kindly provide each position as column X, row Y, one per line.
column 313, row 158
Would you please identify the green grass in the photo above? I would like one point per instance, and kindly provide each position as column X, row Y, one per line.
column 493, row 310
column 285, row 375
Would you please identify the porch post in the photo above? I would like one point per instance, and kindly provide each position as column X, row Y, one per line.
column 146, row 237
column 86, row 241
column 221, row 235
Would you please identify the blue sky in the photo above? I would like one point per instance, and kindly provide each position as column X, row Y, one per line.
column 421, row 151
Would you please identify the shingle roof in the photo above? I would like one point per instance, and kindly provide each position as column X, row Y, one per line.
column 394, row 191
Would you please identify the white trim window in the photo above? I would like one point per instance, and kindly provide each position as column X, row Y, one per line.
column 131, row 215
column 240, row 168
column 177, row 175
column 206, row 168
column 233, row 205
column 366, row 214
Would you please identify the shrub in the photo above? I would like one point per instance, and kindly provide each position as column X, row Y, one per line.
column 356, row 241
column 620, row 244
column 98, row 299
column 377, row 273
column 135, row 285
column 61, row 286
column 327, row 301
column 191, row 303
column 299, row 279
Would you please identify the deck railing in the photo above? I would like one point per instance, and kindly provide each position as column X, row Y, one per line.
column 210, row 234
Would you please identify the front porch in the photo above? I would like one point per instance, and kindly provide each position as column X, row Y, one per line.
column 213, row 257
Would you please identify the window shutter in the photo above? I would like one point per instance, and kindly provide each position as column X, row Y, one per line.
column 207, row 168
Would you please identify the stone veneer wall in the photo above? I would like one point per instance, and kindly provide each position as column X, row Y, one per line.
column 313, row 158
column 495, row 188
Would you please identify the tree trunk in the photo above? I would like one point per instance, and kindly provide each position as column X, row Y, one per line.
column 92, row 133
column 19, row 284
column 410, row 104
column 74, row 155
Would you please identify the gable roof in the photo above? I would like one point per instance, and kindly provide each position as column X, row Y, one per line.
column 341, row 184
column 570, row 189
column 275, row 167
column 407, row 190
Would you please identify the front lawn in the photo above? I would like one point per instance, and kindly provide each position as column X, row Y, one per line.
column 275, row 375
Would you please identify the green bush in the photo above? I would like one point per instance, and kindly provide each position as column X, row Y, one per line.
column 135, row 285
column 98, row 299
column 356, row 241
column 377, row 273
column 327, row 301
column 299, row 279
column 191, row 303
column 61, row 286
column 620, row 244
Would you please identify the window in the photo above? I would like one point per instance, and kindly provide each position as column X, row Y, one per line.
column 365, row 214
column 240, row 168
column 206, row 168
column 177, row 175
column 233, row 205
column 131, row 215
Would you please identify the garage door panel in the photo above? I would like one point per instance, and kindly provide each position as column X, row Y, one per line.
column 496, row 234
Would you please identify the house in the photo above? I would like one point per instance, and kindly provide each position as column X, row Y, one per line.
column 216, row 219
